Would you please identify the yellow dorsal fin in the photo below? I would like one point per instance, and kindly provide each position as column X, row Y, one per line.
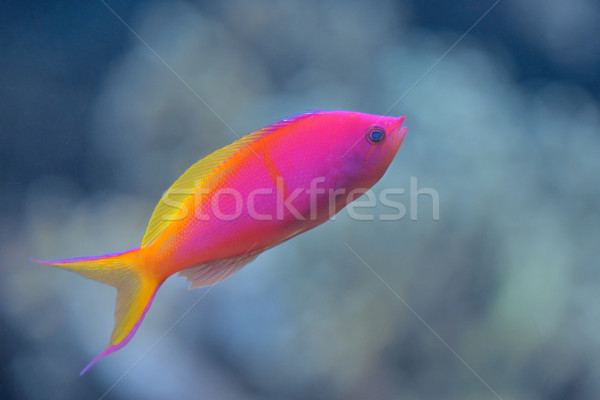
column 196, row 176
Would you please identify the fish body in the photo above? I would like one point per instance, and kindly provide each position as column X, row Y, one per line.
column 254, row 194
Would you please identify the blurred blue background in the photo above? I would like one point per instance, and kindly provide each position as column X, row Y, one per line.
column 93, row 128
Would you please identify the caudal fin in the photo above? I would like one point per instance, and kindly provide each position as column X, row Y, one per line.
column 135, row 290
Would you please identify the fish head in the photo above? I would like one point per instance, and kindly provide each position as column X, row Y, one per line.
column 369, row 145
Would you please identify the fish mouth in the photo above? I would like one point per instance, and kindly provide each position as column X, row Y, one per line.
column 396, row 127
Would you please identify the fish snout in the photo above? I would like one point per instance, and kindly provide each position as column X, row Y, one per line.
column 397, row 130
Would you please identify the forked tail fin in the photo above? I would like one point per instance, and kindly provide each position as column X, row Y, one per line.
column 135, row 290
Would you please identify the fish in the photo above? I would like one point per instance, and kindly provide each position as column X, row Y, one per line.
column 254, row 194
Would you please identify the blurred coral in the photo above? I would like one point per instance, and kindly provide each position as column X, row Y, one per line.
column 508, row 276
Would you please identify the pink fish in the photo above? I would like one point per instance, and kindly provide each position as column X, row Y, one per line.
column 241, row 200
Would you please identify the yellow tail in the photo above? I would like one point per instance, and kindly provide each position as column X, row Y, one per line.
column 136, row 288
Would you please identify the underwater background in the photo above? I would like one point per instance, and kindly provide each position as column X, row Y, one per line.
column 496, row 297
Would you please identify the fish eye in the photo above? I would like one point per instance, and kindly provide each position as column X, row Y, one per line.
column 376, row 135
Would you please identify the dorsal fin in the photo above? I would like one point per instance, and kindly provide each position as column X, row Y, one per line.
column 196, row 176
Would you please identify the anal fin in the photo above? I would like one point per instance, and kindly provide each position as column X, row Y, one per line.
column 215, row 271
